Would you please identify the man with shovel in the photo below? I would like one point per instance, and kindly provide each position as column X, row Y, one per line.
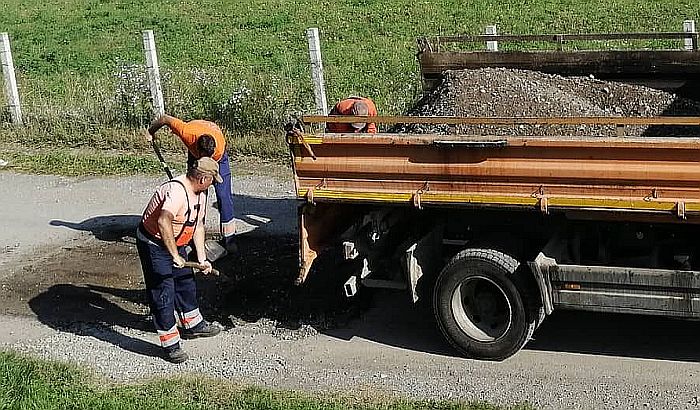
column 173, row 218
column 205, row 139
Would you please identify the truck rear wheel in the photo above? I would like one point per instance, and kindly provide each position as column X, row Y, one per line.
column 479, row 306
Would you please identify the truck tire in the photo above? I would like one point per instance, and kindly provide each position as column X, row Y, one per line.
column 479, row 305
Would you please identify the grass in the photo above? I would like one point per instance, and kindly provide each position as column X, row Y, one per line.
column 82, row 82
column 27, row 383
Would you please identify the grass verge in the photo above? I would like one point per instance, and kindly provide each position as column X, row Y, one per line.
column 27, row 383
column 80, row 63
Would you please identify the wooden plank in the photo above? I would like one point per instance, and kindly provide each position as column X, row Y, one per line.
column 556, row 38
column 643, row 64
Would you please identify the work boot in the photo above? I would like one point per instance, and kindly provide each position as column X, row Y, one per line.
column 203, row 329
column 175, row 354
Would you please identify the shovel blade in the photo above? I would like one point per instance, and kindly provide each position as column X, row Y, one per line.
column 214, row 250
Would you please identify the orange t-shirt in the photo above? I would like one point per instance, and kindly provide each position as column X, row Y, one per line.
column 171, row 197
column 344, row 107
column 190, row 131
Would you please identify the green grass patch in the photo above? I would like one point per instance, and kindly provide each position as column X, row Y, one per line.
column 27, row 383
column 79, row 162
column 81, row 76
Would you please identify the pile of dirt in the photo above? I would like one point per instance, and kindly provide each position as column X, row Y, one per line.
column 500, row 92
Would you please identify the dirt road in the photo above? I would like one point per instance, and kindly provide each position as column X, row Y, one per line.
column 71, row 290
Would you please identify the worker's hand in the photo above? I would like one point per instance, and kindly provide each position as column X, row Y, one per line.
column 178, row 261
column 149, row 137
column 205, row 266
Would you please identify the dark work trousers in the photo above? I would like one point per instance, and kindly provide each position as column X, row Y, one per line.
column 224, row 194
column 168, row 289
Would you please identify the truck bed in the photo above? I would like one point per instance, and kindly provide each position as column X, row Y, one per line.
column 630, row 177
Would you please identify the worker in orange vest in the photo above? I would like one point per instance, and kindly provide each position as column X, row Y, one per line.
column 205, row 139
column 173, row 218
column 353, row 106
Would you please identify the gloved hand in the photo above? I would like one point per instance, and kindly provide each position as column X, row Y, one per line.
column 178, row 261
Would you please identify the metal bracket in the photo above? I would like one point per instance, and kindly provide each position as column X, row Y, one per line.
column 544, row 205
column 418, row 193
column 349, row 250
column 652, row 195
column 310, row 192
column 542, row 200
column 680, row 210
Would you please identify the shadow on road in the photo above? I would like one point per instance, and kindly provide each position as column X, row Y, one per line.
column 91, row 311
column 273, row 216
column 258, row 285
column 647, row 337
column 110, row 228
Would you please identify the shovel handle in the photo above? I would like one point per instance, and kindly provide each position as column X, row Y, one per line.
column 196, row 265
column 161, row 159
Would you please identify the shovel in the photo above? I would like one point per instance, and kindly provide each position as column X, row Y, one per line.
column 161, row 159
column 214, row 250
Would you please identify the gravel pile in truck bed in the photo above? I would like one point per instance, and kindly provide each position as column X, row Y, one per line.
column 500, row 92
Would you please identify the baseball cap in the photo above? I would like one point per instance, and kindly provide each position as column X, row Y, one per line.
column 359, row 108
column 209, row 166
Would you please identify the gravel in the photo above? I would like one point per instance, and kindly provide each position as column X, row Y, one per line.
column 500, row 92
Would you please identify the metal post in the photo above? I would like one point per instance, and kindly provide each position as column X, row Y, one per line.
column 689, row 27
column 149, row 46
column 8, row 70
column 491, row 45
column 317, row 71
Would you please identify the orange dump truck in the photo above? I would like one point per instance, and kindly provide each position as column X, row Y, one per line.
column 499, row 231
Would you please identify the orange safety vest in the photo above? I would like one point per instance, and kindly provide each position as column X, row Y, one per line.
column 188, row 227
column 189, row 132
column 344, row 107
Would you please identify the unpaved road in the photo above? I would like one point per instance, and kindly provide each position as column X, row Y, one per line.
column 71, row 290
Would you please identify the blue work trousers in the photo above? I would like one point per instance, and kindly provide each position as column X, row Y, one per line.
column 224, row 193
column 169, row 290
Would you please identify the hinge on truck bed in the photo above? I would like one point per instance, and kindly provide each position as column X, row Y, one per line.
column 543, row 205
column 418, row 193
column 310, row 192
column 542, row 200
column 680, row 210
column 652, row 195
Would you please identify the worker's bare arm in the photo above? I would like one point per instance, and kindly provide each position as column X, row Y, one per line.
column 165, row 225
column 157, row 124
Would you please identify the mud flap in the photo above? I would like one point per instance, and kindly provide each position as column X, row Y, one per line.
column 422, row 258
column 318, row 224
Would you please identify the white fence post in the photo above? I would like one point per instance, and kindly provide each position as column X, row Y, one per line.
column 8, row 70
column 149, row 46
column 317, row 71
column 491, row 45
column 688, row 27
